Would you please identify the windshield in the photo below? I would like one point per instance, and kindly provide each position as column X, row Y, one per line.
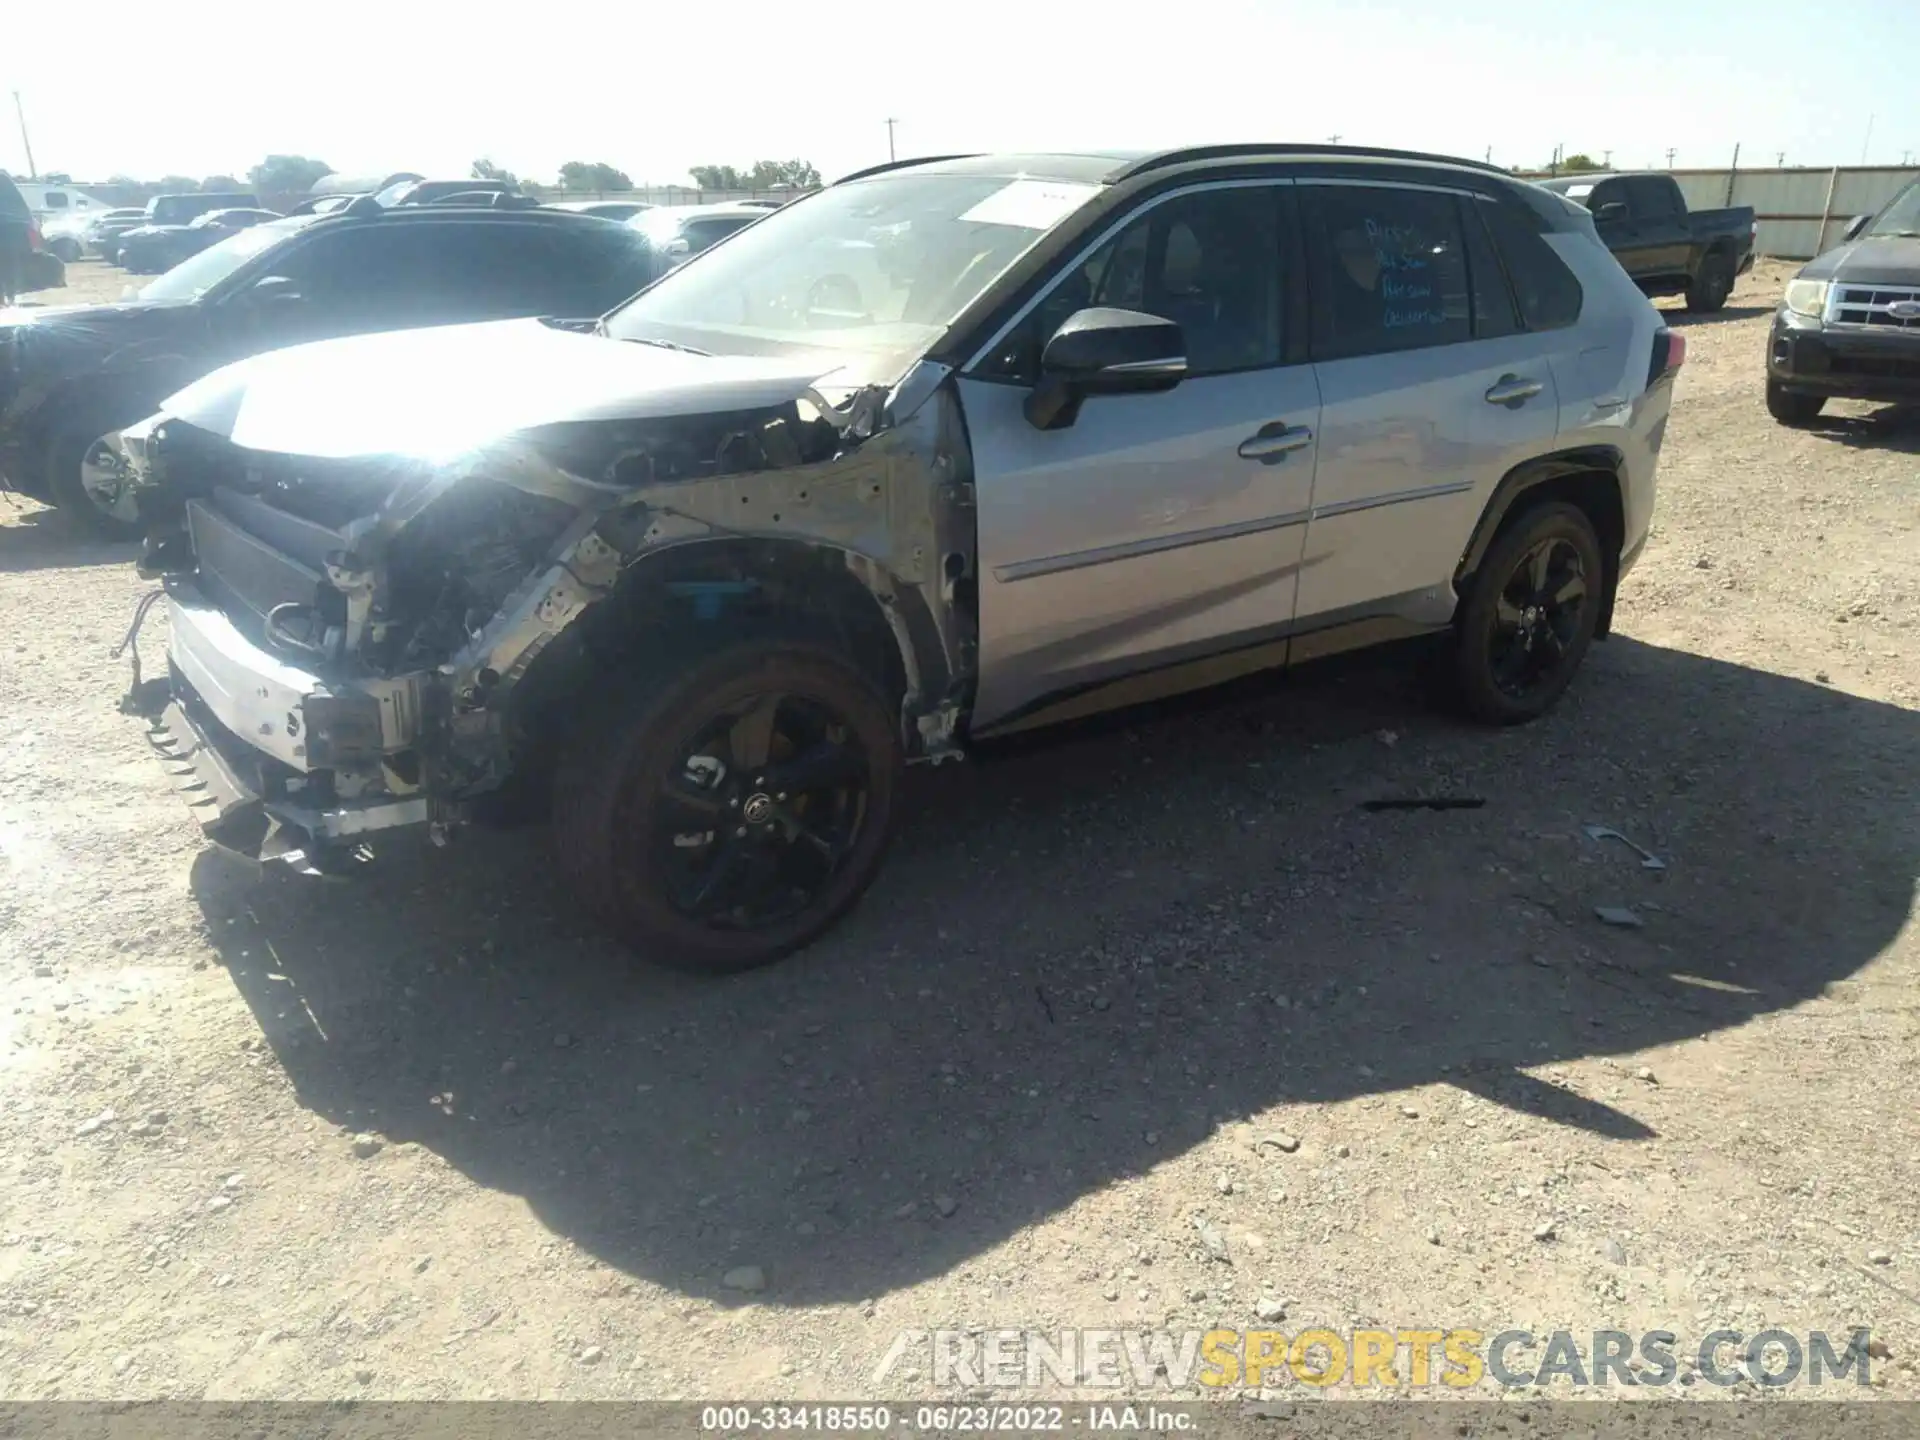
column 1902, row 217
column 192, row 278
column 878, row 268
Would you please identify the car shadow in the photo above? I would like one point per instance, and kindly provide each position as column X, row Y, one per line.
column 1892, row 427
column 1676, row 315
column 1084, row 959
column 38, row 538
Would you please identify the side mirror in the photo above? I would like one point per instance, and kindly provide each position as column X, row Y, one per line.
column 1611, row 211
column 1855, row 226
column 1104, row 352
column 269, row 293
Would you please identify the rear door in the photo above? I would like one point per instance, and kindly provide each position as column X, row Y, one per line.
column 1430, row 390
column 1156, row 529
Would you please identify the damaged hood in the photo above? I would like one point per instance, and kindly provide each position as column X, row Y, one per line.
column 439, row 393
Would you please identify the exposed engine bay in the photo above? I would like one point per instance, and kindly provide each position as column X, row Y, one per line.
column 361, row 641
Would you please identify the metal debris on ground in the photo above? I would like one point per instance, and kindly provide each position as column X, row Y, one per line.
column 1436, row 802
column 1648, row 860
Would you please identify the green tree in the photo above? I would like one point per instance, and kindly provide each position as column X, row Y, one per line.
column 287, row 174
column 1578, row 163
column 718, row 177
column 774, row 174
column 592, row 175
column 214, row 183
column 484, row 169
column 175, row 185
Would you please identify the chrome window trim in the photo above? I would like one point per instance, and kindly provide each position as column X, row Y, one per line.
column 1081, row 255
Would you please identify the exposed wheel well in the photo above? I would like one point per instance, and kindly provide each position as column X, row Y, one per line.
column 688, row 600
column 1588, row 481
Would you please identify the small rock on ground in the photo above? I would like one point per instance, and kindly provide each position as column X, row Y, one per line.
column 749, row 1278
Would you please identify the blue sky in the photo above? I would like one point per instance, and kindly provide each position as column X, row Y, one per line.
column 213, row 85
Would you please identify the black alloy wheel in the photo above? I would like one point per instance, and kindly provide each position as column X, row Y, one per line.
column 1529, row 614
column 723, row 814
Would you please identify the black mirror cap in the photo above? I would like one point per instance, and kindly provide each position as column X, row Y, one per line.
column 1104, row 351
column 1855, row 226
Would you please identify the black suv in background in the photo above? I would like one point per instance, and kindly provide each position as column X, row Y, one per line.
column 72, row 377
column 1849, row 324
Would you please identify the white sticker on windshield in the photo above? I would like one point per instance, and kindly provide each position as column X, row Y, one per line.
column 1032, row 204
column 1578, row 192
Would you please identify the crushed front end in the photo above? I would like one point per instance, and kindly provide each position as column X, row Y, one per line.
column 352, row 635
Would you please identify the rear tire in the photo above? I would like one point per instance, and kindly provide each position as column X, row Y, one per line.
column 1791, row 407
column 1712, row 284
column 1529, row 614
column 662, row 823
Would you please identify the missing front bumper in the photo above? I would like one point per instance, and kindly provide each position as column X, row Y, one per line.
column 218, row 778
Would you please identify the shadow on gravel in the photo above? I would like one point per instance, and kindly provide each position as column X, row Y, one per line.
column 1074, row 967
column 1679, row 317
column 1892, row 427
column 42, row 539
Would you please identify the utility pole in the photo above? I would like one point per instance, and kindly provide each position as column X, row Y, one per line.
column 1671, row 152
column 26, row 144
column 1863, row 144
column 891, row 122
column 1333, row 139
column 1779, row 159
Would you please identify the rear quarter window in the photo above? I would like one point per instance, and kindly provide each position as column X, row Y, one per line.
column 1547, row 292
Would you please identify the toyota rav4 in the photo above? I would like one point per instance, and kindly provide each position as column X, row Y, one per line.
column 949, row 449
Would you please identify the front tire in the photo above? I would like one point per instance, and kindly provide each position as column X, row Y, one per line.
column 1791, row 407
column 89, row 480
column 728, row 813
column 1529, row 615
column 1712, row 284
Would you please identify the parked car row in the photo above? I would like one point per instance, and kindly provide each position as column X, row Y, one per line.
column 947, row 450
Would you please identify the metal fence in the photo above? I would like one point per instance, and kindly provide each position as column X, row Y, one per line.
column 1801, row 211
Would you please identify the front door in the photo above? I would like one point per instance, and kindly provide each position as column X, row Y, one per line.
column 1157, row 530
column 1429, row 391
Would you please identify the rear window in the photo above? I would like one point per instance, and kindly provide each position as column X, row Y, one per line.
column 1547, row 291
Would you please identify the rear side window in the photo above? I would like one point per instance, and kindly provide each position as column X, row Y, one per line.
column 1547, row 291
column 56, row 199
column 1653, row 197
column 1389, row 270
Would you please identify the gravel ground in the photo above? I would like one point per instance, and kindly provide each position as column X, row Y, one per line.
column 1025, row 1083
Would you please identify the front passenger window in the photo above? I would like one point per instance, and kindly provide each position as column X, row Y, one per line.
column 1208, row 260
column 1388, row 270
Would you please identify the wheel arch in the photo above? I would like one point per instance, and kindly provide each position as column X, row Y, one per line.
column 1590, row 477
column 680, row 598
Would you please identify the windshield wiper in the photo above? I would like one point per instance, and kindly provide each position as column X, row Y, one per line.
column 667, row 345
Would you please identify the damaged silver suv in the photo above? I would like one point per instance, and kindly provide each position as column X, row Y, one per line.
column 948, row 449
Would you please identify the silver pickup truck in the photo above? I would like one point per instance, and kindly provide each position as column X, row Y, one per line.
column 949, row 449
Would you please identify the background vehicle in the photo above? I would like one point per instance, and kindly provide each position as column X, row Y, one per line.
column 79, row 374
column 941, row 452
column 50, row 201
column 179, row 209
column 1667, row 249
column 1849, row 323
column 150, row 249
column 423, row 192
column 102, row 235
column 680, row 232
column 605, row 209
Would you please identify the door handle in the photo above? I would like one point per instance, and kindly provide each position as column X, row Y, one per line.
column 1513, row 391
column 1272, row 443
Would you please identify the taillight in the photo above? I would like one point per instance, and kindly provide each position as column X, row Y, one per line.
column 33, row 235
column 1669, row 354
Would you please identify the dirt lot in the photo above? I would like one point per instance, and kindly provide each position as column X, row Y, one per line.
column 1005, row 1091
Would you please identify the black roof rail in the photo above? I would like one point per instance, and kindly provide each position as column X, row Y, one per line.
column 902, row 164
column 1198, row 153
